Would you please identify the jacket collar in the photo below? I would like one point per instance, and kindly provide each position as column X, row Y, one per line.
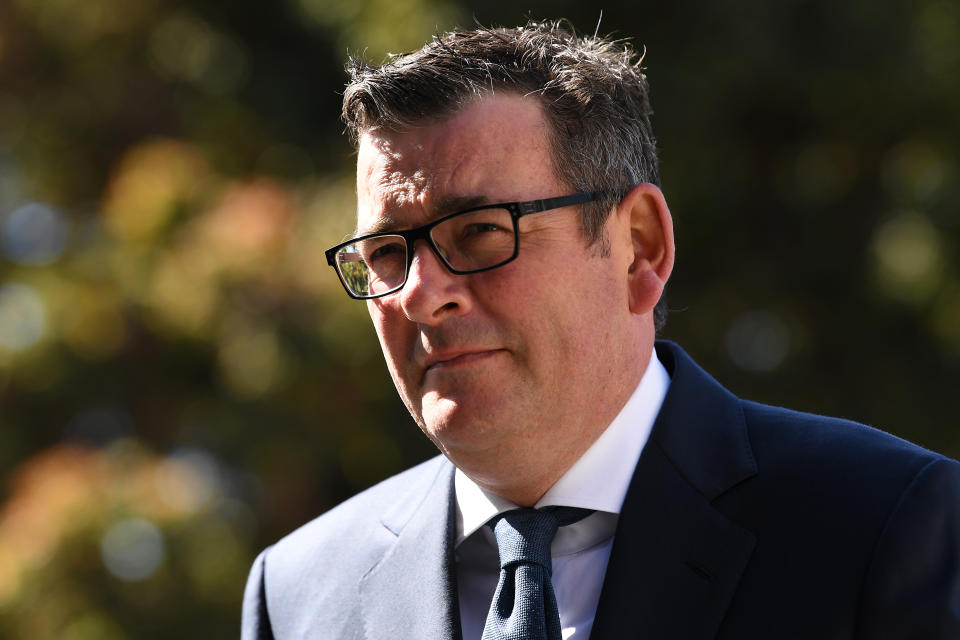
column 676, row 560
column 701, row 427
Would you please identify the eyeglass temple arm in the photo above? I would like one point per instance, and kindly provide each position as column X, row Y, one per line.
column 536, row 206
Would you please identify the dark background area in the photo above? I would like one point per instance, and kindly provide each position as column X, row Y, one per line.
column 182, row 379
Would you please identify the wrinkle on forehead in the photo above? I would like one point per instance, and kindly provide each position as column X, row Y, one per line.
column 396, row 180
column 408, row 177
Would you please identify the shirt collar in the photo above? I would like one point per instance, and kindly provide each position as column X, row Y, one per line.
column 599, row 479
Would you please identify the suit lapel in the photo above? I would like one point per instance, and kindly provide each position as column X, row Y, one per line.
column 676, row 560
column 411, row 591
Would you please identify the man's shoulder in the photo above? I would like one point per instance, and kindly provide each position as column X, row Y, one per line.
column 308, row 580
column 775, row 439
column 347, row 536
column 386, row 505
column 824, row 441
column 829, row 470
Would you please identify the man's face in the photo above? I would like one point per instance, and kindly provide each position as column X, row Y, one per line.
column 507, row 371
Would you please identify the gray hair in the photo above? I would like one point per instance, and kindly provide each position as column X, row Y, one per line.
column 593, row 93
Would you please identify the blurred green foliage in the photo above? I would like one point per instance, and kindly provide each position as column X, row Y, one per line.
column 182, row 379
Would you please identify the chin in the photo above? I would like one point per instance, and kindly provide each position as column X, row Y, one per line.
column 451, row 424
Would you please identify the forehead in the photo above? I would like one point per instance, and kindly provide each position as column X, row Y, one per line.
column 494, row 149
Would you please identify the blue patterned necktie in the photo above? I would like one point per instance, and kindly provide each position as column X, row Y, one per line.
column 524, row 606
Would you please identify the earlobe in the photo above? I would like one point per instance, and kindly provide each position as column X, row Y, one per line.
column 644, row 210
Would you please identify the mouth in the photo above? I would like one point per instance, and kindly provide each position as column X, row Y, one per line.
column 460, row 359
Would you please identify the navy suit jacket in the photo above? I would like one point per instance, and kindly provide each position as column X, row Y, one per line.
column 742, row 521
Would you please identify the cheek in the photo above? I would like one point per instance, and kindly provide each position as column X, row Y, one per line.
column 579, row 312
column 395, row 344
column 393, row 341
column 542, row 317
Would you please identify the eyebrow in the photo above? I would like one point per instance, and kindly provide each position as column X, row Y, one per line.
column 444, row 205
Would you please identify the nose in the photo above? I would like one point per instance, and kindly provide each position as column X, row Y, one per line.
column 432, row 292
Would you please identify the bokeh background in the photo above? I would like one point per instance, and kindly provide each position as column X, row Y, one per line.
column 182, row 379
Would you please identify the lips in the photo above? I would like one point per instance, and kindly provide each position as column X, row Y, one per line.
column 458, row 358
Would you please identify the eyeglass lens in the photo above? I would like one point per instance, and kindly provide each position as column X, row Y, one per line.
column 471, row 241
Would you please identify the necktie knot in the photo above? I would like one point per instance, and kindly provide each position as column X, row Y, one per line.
column 525, row 606
column 525, row 535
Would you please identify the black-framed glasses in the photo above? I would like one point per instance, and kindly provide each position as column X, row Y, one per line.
column 469, row 241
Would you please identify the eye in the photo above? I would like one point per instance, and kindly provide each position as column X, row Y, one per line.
column 477, row 228
column 386, row 250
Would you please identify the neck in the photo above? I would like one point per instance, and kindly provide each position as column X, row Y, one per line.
column 525, row 481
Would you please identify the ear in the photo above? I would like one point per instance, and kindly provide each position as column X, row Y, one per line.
column 645, row 213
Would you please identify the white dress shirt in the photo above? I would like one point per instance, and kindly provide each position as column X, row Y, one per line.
column 598, row 480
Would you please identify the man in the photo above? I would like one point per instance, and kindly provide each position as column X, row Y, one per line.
column 512, row 245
